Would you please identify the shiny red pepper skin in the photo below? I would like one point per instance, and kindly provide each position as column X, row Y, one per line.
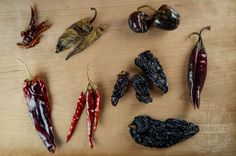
column 97, row 109
column 197, row 70
column 90, row 109
column 77, row 114
column 36, row 95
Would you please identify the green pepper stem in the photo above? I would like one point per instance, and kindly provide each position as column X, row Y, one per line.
column 146, row 6
column 26, row 68
column 95, row 15
column 90, row 83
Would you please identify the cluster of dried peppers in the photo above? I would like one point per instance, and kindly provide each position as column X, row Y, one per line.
column 153, row 72
column 32, row 34
column 165, row 18
column 37, row 100
column 197, row 69
column 82, row 34
column 91, row 99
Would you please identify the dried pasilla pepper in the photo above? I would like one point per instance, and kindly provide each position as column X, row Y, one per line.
column 159, row 134
column 152, row 69
column 139, row 21
column 197, row 69
column 91, row 98
column 81, row 34
column 32, row 34
column 120, row 87
column 166, row 18
column 36, row 95
column 142, row 89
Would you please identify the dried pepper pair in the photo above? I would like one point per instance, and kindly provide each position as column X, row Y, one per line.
column 82, row 34
column 32, row 34
column 36, row 95
column 165, row 18
column 153, row 72
column 91, row 99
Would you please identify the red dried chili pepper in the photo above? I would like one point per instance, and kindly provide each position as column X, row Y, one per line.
column 97, row 109
column 77, row 114
column 31, row 35
column 36, row 95
column 197, row 69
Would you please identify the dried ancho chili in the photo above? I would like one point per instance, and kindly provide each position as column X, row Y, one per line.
column 141, row 87
column 155, row 133
column 36, row 96
column 152, row 69
column 120, row 87
column 197, row 69
column 81, row 34
column 32, row 34
column 91, row 98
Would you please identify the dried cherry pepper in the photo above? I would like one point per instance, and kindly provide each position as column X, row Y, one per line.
column 77, row 114
column 197, row 69
column 36, row 95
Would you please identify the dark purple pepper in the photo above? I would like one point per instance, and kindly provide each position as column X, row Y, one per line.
column 197, row 69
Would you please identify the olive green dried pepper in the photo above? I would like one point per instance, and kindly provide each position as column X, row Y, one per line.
column 87, row 40
column 75, row 33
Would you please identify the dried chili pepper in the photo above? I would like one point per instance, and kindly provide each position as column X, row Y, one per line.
column 75, row 33
column 31, row 35
column 36, row 95
column 142, row 89
column 77, row 114
column 122, row 83
column 152, row 69
column 159, row 134
column 197, row 69
column 97, row 109
column 87, row 40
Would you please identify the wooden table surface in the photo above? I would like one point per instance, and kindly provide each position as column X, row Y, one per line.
column 113, row 52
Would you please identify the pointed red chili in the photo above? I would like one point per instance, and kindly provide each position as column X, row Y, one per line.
column 197, row 69
column 97, row 109
column 77, row 114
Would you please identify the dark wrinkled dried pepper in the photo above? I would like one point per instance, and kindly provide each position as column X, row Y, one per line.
column 120, row 87
column 82, row 34
column 152, row 69
column 197, row 69
column 32, row 33
column 36, row 95
column 155, row 133
column 142, row 89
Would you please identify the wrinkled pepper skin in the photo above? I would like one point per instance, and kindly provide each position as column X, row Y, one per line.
column 197, row 70
column 36, row 95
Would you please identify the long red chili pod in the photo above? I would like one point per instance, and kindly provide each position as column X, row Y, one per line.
column 97, row 109
column 90, row 106
column 36, row 95
column 77, row 114
column 197, row 69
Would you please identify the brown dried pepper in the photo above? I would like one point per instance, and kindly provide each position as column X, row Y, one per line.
column 77, row 114
column 197, row 69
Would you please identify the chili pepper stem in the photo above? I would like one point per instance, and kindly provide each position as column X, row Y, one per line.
column 90, row 83
column 95, row 15
column 26, row 68
column 200, row 33
column 146, row 6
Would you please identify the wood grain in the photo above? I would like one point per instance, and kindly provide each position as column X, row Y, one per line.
column 113, row 52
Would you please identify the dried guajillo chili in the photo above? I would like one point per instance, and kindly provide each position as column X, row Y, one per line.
column 77, row 114
column 36, row 95
column 197, row 69
column 91, row 98
column 31, row 35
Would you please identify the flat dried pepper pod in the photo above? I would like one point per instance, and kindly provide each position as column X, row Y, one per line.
column 75, row 33
column 87, row 40
column 152, row 69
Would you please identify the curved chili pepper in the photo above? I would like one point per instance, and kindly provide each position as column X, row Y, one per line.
column 77, row 114
column 97, row 109
column 90, row 107
column 36, row 95
column 197, row 69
